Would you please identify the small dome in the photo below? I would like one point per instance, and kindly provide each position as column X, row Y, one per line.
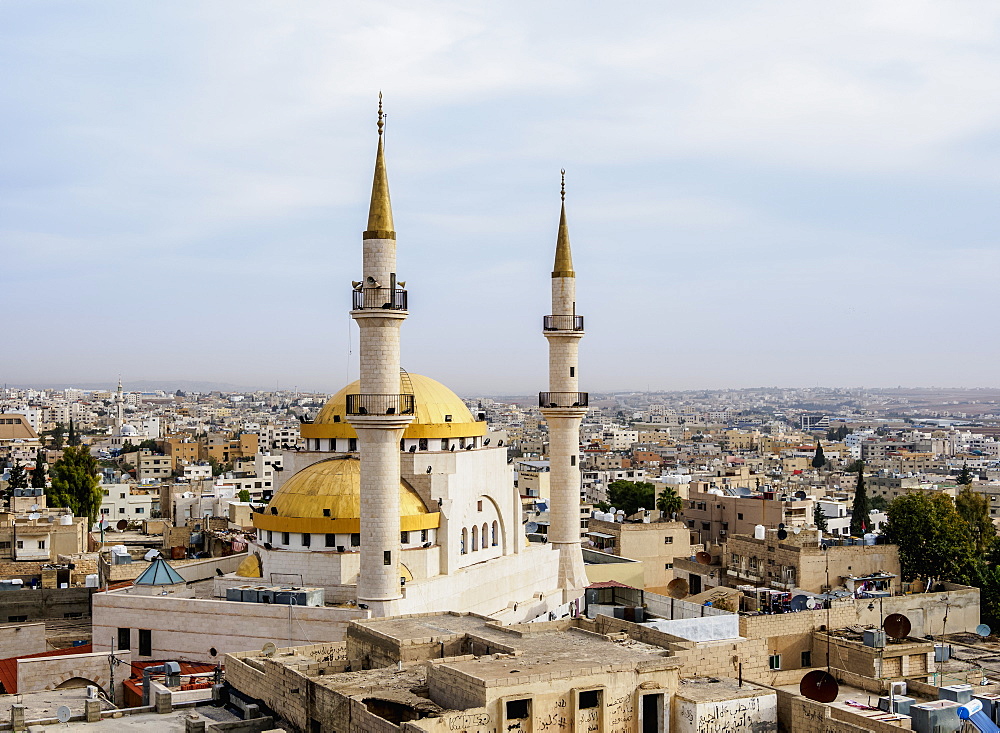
column 326, row 498
column 439, row 412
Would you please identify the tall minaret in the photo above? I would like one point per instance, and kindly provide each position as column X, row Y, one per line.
column 119, row 408
column 564, row 407
column 379, row 413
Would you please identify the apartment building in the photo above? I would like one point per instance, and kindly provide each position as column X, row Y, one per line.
column 716, row 515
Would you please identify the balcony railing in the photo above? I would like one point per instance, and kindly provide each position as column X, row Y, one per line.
column 563, row 399
column 384, row 298
column 562, row 323
column 380, row 404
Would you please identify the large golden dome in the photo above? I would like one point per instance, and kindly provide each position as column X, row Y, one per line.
column 325, row 498
column 439, row 413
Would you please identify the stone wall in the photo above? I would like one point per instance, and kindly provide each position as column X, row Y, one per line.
column 47, row 673
column 45, row 603
column 19, row 639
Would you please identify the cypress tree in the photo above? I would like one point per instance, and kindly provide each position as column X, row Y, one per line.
column 819, row 460
column 964, row 478
column 861, row 507
column 38, row 475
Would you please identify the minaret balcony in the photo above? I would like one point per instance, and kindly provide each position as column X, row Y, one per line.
column 562, row 323
column 563, row 399
column 380, row 404
column 382, row 298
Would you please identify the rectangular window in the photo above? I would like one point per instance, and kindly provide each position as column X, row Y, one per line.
column 124, row 639
column 121, row 510
column 16, row 619
column 668, row 540
column 572, row 460
column 404, row 538
column 423, row 535
column 479, row 505
column 387, row 557
column 352, row 445
column 285, row 538
column 355, row 540
column 41, row 544
column 572, row 371
column 807, row 659
column 20, row 544
column 145, row 643
column 739, row 516
column 444, row 444
column 518, row 709
column 774, row 661
column 326, row 512
column 590, row 699
column 331, row 540
column 306, row 539
column 668, row 566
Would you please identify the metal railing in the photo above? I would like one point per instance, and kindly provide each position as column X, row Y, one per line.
column 384, row 298
column 563, row 399
column 380, row 404
column 562, row 323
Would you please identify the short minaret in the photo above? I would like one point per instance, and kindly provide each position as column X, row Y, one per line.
column 379, row 414
column 564, row 407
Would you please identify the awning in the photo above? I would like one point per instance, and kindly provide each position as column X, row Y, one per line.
column 601, row 535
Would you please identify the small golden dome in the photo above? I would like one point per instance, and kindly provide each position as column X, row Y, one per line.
column 325, row 498
column 439, row 413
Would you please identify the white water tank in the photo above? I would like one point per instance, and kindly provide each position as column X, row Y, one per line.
column 759, row 532
column 91, row 581
column 66, row 520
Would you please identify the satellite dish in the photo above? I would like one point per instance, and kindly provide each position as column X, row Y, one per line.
column 811, row 603
column 796, row 530
column 152, row 555
column 34, row 507
column 531, row 527
column 800, row 495
column 983, row 630
column 896, row 625
column 705, row 558
column 782, row 534
column 269, row 649
column 820, row 686
column 33, row 517
column 799, row 603
column 63, row 714
column 122, row 525
column 678, row 588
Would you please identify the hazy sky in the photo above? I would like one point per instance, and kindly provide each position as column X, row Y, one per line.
column 766, row 193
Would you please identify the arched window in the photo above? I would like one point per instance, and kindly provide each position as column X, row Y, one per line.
column 465, row 539
column 475, row 538
column 496, row 533
column 486, row 533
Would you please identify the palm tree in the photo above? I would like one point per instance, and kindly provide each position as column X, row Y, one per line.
column 669, row 502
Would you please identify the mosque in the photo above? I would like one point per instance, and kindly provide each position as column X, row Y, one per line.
column 403, row 501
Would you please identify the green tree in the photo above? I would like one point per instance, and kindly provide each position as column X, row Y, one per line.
column 933, row 539
column 861, row 507
column 58, row 434
column 669, row 502
column 18, row 477
column 38, row 475
column 855, row 467
column 964, row 478
column 878, row 504
column 74, row 437
column 819, row 519
column 630, row 496
column 986, row 577
column 244, row 495
column 150, row 445
column 819, row 460
column 127, row 447
column 974, row 508
column 75, row 483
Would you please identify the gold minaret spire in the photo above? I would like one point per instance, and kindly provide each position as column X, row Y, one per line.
column 380, row 224
column 563, row 266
